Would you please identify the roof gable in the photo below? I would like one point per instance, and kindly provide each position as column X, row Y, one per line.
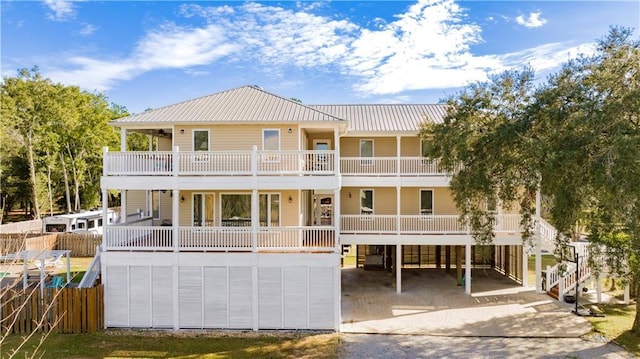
column 246, row 104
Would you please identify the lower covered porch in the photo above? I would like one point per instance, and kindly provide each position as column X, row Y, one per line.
column 459, row 259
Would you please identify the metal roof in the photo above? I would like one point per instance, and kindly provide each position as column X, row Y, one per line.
column 385, row 118
column 246, row 104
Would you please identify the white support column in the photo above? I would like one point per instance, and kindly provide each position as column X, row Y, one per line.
column 255, row 219
column 398, row 268
column 467, row 269
column 525, row 267
column 336, row 219
column 398, row 202
column 398, row 149
column 123, row 140
column 175, row 219
column 123, row 206
column 175, row 290
column 336, row 151
column 150, row 143
column 538, row 239
column 105, row 221
column 337, row 295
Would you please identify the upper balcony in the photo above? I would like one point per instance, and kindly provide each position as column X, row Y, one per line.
column 389, row 166
column 220, row 163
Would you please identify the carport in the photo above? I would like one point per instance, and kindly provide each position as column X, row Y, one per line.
column 431, row 303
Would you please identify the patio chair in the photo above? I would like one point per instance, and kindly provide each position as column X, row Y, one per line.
column 56, row 262
column 56, row 282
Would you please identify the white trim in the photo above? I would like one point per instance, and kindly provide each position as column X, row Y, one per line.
column 193, row 138
column 372, row 146
column 263, row 139
column 203, row 206
column 372, row 200
column 269, row 207
column 433, row 207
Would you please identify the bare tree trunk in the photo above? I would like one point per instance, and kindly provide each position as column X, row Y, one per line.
column 49, row 190
column 635, row 328
column 34, row 182
column 66, row 183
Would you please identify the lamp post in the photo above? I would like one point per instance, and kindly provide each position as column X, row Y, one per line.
column 576, row 259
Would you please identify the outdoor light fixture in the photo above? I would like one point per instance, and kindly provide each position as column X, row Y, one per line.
column 181, row 199
column 290, row 130
column 290, row 199
column 349, row 194
column 182, row 131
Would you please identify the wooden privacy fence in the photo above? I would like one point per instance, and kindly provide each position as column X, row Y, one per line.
column 80, row 244
column 66, row 310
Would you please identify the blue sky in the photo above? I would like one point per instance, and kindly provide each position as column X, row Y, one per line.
column 148, row 54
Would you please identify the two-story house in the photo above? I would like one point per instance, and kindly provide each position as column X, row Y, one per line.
column 237, row 215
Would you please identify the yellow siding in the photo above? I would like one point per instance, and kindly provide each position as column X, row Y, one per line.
column 236, row 137
column 443, row 203
column 288, row 211
column 410, row 147
column 136, row 200
column 164, row 144
column 384, row 200
column 382, row 146
column 184, row 217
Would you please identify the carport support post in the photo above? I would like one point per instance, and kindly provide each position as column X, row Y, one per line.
column 538, row 239
column 398, row 268
column 467, row 269
column 525, row 267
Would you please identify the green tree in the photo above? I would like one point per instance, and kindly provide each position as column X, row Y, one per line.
column 576, row 138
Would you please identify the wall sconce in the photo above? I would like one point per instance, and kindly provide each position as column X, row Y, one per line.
column 290, row 199
column 181, row 199
column 349, row 194
column 290, row 130
column 182, row 131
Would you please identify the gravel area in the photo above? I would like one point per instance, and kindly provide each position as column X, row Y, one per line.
column 420, row 346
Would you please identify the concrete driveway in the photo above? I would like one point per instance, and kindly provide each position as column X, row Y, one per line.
column 432, row 304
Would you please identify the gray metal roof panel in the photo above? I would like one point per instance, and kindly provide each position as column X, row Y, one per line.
column 385, row 118
column 246, row 104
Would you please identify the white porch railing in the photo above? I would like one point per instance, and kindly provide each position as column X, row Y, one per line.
column 548, row 232
column 222, row 163
column 421, row 224
column 138, row 238
column 157, row 163
column 219, row 238
column 297, row 239
column 389, row 166
column 567, row 283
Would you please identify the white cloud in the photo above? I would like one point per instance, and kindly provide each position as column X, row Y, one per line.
column 429, row 46
column 88, row 30
column 61, row 9
column 535, row 19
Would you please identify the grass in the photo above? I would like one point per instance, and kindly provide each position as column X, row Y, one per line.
column 616, row 326
column 161, row 344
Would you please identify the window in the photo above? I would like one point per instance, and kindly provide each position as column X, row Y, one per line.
column 155, row 204
column 492, row 205
column 201, row 140
column 81, row 224
column 92, row 224
column 426, row 202
column 366, row 201
column 202, row 209
column 366, row 150
column 201, row 143
column 100, row 222
column 423, row 147
column 270, row 142
column 269, row 209
column 235, row 210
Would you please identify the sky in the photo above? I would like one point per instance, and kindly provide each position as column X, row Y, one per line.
column 149, row 54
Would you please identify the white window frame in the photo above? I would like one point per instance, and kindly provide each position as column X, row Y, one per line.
column 271, row 157
column 367, row 162
column 433, row 200
column 220, row 219
column 367, row 216
column 197, row 157
column 269, row 194
column 203, row 206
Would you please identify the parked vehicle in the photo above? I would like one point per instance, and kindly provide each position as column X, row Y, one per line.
column 82, row 222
